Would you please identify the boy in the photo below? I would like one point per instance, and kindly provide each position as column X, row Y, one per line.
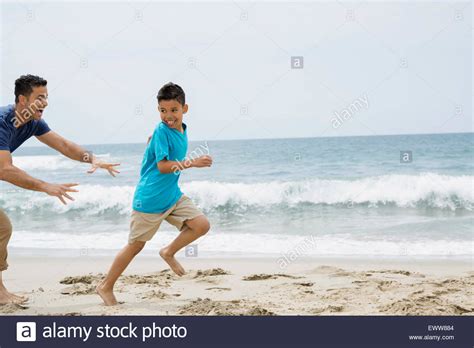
column 157, row 196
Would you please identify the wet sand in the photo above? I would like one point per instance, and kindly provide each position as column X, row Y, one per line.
column 323, row 286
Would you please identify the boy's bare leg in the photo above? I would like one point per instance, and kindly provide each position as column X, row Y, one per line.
column 193, row 229
column 106, row 288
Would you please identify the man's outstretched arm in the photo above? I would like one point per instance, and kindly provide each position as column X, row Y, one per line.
column 76, row 152
column 18, row 177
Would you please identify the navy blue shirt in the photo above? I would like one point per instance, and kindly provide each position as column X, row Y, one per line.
column 10, row 136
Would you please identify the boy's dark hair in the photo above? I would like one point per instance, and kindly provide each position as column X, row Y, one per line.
column 25, row 83
column 171, row 91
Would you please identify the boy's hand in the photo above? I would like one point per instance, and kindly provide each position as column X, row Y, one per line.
column 202, row 161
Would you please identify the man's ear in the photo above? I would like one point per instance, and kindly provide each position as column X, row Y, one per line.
column 22, row 99
column 185, row 108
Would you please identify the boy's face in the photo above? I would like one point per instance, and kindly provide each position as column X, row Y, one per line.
column 171, row 113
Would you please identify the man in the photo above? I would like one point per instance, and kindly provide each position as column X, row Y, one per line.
column 18, row 123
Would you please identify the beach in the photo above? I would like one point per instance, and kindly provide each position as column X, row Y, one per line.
column 310, row 226
column 245, row 286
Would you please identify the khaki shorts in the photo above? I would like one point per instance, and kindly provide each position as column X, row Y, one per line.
column 143, row 226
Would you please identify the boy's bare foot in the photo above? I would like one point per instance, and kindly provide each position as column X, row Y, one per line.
column 107, row 295
column 172, row 262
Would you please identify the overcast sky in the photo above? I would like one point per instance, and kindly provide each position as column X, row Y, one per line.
column 369, row 68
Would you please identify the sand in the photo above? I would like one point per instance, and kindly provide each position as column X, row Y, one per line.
column 66, row 286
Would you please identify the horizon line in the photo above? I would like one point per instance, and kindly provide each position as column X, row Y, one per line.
column 282, row 138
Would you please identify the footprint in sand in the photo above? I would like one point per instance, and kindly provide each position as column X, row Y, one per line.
column 155, row 294
column 329, row 309
column 333, row 271
column 79, row 289
column 210, row 276
column 396, row 271
column 86, row 284
column 219, row 289
column 437, row 302
column 161, row 279
column 384, row 285
column 301, row 288
column 10, row 308
column 85, row 279
column 81, row 285
column 263, row 276
column 210, row 273
column 424, row 305
column 236, row 307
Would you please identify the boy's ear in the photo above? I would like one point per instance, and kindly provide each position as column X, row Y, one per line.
column 185, row 108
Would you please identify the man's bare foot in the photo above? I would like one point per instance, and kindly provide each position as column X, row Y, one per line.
column 6, row 298
column 172, row 262
column 21, row 299
column 107, row 295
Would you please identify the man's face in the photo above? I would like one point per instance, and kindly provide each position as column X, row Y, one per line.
column 37, row 102
column 171, row 113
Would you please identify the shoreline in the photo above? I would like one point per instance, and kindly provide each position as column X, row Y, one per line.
column 152, row 252
column 245, row 286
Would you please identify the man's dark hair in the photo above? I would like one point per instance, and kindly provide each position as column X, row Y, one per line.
column 171, row 91
column 25, row 83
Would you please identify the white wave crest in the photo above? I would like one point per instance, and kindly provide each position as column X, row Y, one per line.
column 49, row 163
column 424, row 190
column 432, row 190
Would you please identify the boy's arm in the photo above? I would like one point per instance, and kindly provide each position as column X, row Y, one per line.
column 160, row 146
column 165, row 166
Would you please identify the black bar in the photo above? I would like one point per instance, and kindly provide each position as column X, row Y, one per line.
column 280, row 331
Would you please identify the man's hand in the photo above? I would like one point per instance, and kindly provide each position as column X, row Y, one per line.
column 59, row 190
column 108, row 166
column 202, row 161
column 75, row 152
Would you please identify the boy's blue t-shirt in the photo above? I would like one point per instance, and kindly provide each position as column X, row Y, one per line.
column 10, row 136
column 157, row 192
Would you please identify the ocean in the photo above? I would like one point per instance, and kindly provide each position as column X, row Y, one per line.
column 317, row 197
